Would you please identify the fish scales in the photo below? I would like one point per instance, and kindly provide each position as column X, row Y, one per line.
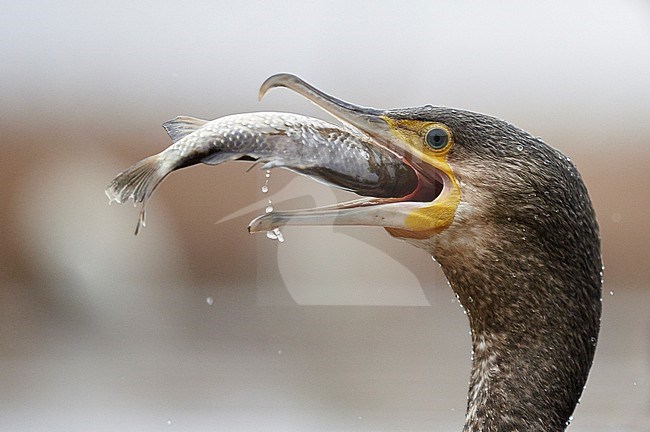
column 290, row 141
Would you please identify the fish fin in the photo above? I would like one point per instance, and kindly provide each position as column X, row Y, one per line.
column 141, row 220
column 182, row 126
column 218, row 158
column 138, row 183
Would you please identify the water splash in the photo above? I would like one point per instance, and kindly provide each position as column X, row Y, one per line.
column 275, row 234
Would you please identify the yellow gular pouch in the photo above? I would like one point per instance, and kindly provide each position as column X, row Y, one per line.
column 426, row 145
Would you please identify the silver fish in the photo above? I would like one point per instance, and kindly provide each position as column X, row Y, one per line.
column 341, row 158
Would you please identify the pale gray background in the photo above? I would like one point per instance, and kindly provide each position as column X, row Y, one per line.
column 336, row 329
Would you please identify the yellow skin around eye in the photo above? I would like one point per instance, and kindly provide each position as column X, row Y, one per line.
column 439, row 214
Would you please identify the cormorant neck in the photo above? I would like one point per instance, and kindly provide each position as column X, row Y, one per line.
column 534, row 319
column 530, row 358
column 518, row 388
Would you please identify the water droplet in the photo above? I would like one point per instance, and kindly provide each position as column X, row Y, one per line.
column 267, row 175
column 279, row 352
column 634, row 383
column 275, row 234
column 470, row 299
column 209, row 301
column 520, row 147
column 360, row 418
column 611, row 293
column 434, row 259
column 268, row 209
column 169, row 421
column 593, row 340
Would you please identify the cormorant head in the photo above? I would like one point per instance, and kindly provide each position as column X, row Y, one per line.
column 473, row 170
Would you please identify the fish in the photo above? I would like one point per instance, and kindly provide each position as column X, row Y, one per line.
column 337, row 156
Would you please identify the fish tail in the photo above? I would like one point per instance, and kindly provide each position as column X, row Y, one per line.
column 138, row 183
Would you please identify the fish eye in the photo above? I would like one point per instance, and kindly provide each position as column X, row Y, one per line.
column 437, row 138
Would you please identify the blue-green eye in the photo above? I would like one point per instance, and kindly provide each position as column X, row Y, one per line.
column 437, row 138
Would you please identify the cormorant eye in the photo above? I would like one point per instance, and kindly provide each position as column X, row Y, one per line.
column 437, row 138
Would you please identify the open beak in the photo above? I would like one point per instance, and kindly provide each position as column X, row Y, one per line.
column 397, row 213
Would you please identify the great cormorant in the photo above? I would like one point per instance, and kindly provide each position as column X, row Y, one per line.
column 507, row 217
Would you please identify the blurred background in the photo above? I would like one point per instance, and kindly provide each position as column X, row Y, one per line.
column 196, row 325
